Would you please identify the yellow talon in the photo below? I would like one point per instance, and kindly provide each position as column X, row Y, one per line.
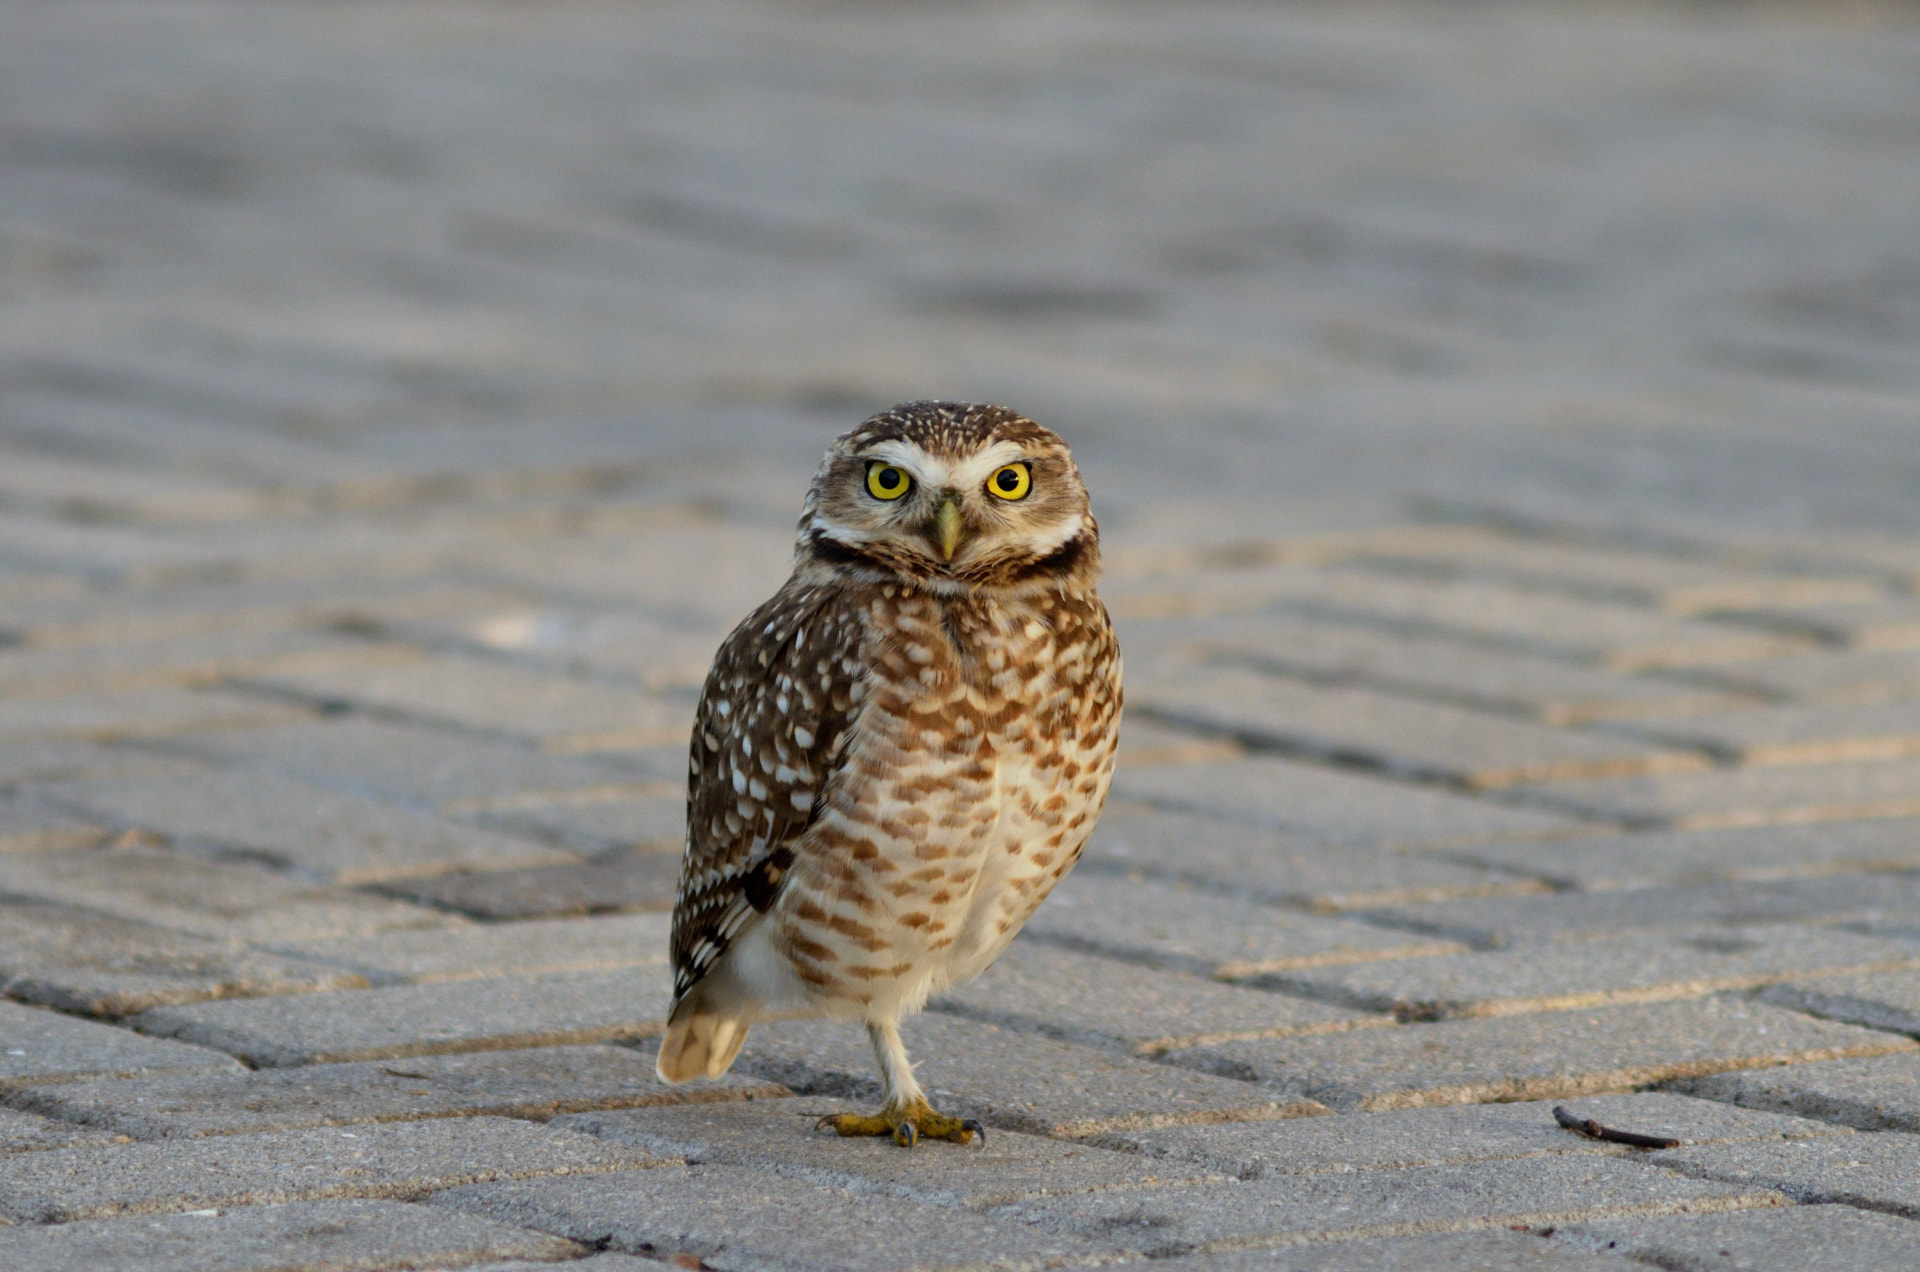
column 907, row 1126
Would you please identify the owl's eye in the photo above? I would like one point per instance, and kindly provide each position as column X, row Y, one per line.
column 884, row 481
column 1011, row 482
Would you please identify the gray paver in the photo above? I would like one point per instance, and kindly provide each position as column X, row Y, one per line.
column 28, row 1132
column 652, row 815
column 28, row 826
column 1887, row 623
column 135, row 713
column 1880, row 1000
column 1009, row 1079
column 1795, row 734
column 519, row 949
column 536, row 1084
column 1549, row 689
column 45, row 1046
column 1387, row 1203
column 1543, row 1055
column 1333, row 805
column 407, row 763
column 780, row 1138
column 753, row 1220
column 1635, row 968
column 1495, row 921
column 1395, row 734
column 103, row 966
column 224, row 900
column 1277, row 867
column 1484, row 1251
column 495, row 1014
column 1873, row 1171
column 181, row 661
column 318, row 1236
column 1191, row 930
column 1594, row 864
column 638, row 880
column 395, row 1160
column 1742, row 797
column 1832, row 1238
column 559, row 714
column 65, row 761
column 1142, row 1011
column 330, row 834
column 1456, row 1133
column 1878, row 1093
column 1840, row 676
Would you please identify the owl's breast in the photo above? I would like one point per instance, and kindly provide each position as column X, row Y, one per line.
column 972, row 778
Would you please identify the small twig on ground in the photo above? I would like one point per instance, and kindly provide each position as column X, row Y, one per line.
column 1587, row 1126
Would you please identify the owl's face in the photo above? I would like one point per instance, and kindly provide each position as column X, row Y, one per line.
column 957, row 493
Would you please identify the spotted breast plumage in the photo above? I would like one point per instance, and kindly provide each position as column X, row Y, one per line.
column 897, row 756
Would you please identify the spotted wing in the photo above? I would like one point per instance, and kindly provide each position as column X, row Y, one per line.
column 770, row 731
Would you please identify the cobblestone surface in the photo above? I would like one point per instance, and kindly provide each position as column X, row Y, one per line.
column 1501, row 421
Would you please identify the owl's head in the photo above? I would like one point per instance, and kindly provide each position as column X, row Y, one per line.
column 956, row 495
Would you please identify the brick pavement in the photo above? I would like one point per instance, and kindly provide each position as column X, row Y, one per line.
column 1502, row 424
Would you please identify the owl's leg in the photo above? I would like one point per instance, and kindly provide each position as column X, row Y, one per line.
column 906, row 1115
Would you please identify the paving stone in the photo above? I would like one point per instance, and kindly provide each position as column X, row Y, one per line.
column 636, row 880
column 1009, row 1079
column 182, row 661
column 29, row 1132
column 1614, row 637
column 1872, row 1171
column 613, row 1262
column 1878, row 1093
column 224, row 901
column 1541, row 1192
column 1489, row 922
column 1200, row 931
column 1332, row 805
column 1832, row 1238
column 328, row 834
column 429, row 767
column 1880, row 1000
column 136, row 713
column 780, row 1138
column 1458, row 1133
column 1797, row 734
column 757, row 1221
column 496, row 1014
column 1493, row 1250
column 318, row 1236
column 64, row 761
column 1628, row 968
column 1280, row 868
column 1841, row 676
column 192, row 609
column 98, row 965
column 1889, row 623
column 45, row 1046
column 1595, row 863
column 29, row 826
column 1145, row 742
column 536, row 1084
column 399, row 1161
column 516, row 949
column 560, row 715
column 1742, row 797
column 640, row 647
column 652, row 815
column 1396, row 734
column 1670, row 584
column 1549, row 689
column 1142, row 1011
column 1543, row 1055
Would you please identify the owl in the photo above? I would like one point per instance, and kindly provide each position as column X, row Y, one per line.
column 899, row 755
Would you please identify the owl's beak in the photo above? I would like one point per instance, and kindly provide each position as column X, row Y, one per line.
column 946, row 528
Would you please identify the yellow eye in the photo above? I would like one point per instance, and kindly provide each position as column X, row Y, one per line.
column 1011, row 482
column 884, row 481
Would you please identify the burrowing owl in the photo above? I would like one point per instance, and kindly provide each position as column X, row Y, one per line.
column 898, row 756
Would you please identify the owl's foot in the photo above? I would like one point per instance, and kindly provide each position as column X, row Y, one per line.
column 908, row 1125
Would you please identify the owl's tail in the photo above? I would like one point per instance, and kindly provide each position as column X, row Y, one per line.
column 699, row 1044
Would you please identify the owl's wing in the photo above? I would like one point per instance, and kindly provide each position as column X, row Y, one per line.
column 771, row 728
